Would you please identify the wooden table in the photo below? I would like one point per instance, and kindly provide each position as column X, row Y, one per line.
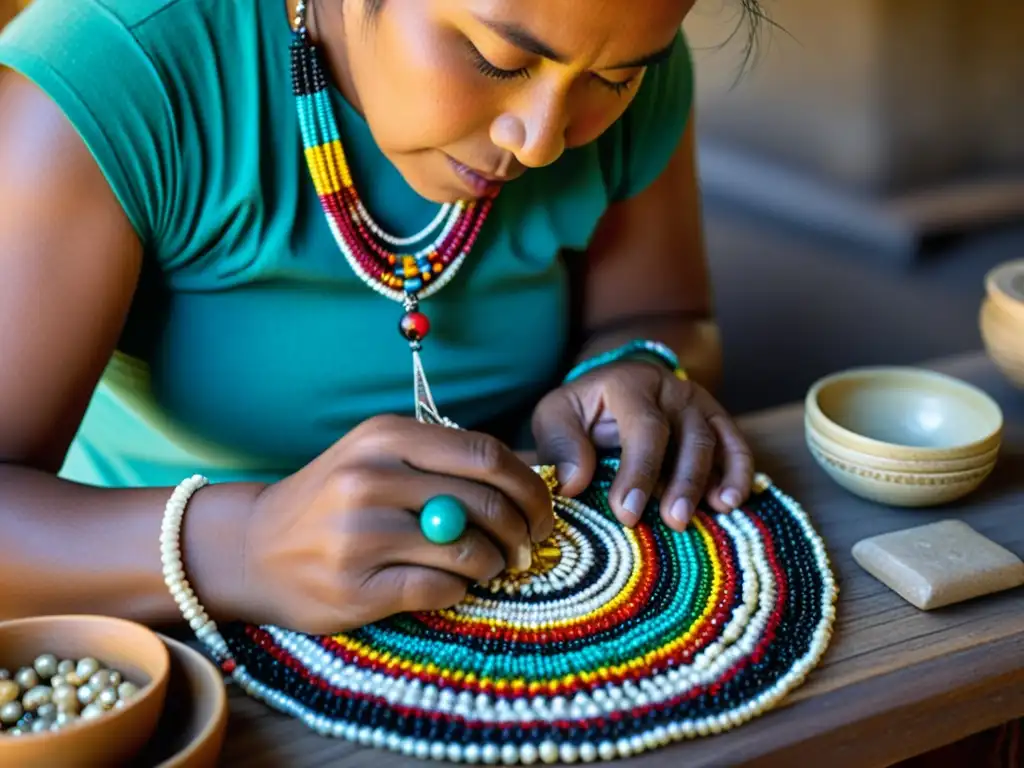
column 895, row 682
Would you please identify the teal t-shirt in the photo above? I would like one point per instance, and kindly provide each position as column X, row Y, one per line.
column 251, row 345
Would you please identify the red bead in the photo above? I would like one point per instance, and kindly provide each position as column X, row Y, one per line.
column 414, row 326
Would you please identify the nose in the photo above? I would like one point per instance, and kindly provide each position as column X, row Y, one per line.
column 534, row 134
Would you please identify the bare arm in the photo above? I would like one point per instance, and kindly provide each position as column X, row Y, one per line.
column 69, row 263
column 647, row 275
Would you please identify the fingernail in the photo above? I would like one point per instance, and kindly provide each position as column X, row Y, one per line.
column 682, row 511
column 635, row 502
column 731, row 497
column 523, row 558
column 565, row 472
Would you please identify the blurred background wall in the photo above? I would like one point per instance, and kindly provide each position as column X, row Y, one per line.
column 862, row 174
column 908, row 110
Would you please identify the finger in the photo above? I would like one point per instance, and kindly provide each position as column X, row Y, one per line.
column 472, row 456
column 393, row 538
column 562, row 441
column 406, row 488
column 737, row 465
column 644, row 431
column 689, row 480
column 714, row 483
column 411, row 588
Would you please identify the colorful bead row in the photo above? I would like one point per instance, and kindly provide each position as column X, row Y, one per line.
column 682, row 635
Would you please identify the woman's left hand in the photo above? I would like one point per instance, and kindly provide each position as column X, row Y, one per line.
column 668, row 429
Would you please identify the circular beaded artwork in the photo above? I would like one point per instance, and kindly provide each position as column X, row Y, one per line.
column 615, row 642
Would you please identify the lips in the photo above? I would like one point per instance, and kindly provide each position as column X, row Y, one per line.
column 480, row 183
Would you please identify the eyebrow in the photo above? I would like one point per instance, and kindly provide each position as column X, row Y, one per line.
column 525, row 40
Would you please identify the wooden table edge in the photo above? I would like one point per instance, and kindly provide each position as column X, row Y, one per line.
column 908, row 715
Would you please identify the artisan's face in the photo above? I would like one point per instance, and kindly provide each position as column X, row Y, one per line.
column 495, row 86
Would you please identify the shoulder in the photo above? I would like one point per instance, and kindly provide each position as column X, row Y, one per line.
column 131, row 76
column 638, row 147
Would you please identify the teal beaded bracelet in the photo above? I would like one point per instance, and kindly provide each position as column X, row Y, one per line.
column 638, row 348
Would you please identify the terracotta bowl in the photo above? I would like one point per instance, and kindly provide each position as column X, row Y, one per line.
column 191, row 730
column 116, row 736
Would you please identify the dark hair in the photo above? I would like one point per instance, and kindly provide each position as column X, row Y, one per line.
column 754, row 15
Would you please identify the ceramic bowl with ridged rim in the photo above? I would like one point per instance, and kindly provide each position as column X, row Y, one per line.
column 869, row 461
column 114, row 737
column 904, row 414
column 900, row 489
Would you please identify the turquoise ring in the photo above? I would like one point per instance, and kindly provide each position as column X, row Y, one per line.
column 443, row 519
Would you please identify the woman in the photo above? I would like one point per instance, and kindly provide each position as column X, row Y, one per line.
column 192, row 217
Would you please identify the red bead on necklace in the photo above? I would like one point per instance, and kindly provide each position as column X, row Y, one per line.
column 414, row 326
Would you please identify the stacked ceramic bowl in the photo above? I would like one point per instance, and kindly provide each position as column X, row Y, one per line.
column 903, row 436
column 1002, row 319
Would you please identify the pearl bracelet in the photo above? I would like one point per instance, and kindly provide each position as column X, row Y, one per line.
column 204, row 627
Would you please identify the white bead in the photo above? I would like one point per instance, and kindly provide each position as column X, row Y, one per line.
column 438, row 751
column 454, row 753
column 568, row 753
column 622, row 746
column 528, row 754
column 509, row 754
column 191, row 612
column 548, row 752
column 491, row 754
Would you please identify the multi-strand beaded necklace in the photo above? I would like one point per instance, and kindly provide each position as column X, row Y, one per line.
column 404, row 269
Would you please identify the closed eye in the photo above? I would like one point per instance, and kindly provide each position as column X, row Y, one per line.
column 619, row 87
column 484, row 67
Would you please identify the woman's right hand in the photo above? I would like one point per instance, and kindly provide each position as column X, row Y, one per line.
column 338, row 544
